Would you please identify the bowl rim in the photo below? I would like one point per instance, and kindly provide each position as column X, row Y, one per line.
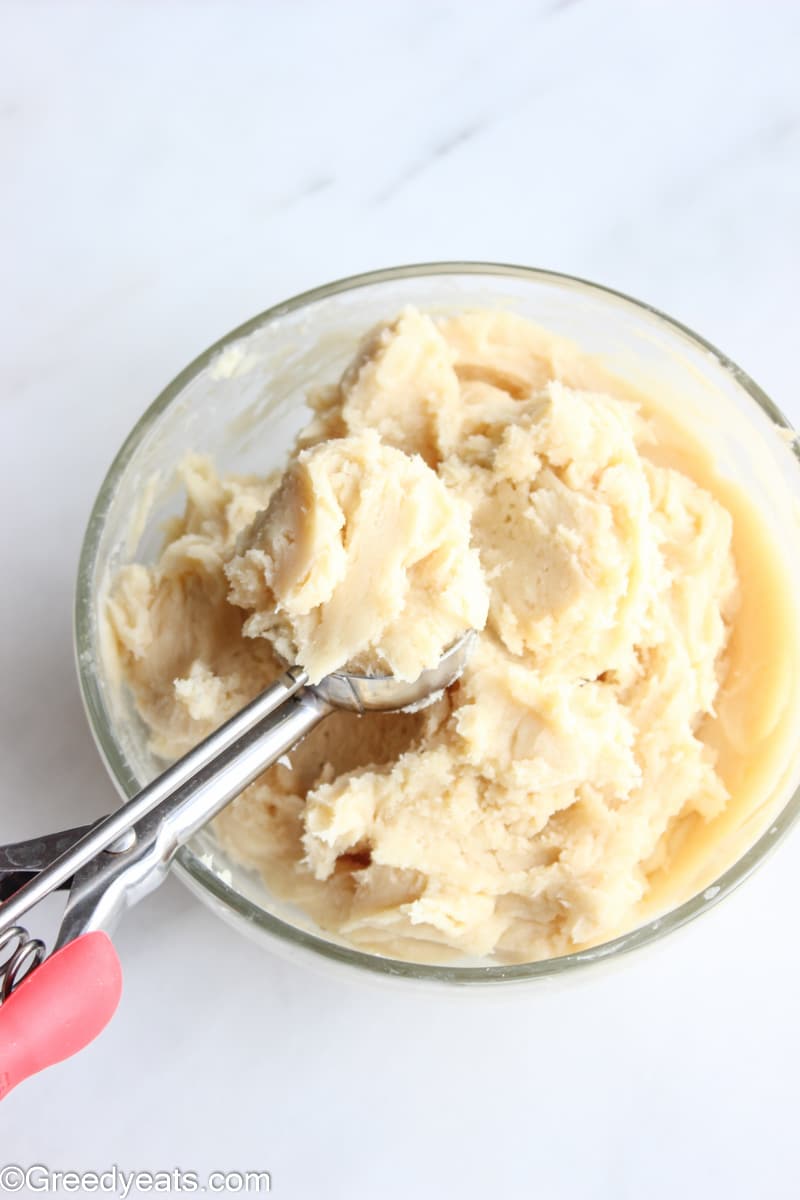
column 190, row 866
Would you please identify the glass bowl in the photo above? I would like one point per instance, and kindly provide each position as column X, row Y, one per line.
column 242, row 400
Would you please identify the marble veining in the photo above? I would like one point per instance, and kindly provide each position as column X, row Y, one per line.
column 168, row 170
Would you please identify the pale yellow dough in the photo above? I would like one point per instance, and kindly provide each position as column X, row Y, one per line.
column 361, row 560
column 623, row 702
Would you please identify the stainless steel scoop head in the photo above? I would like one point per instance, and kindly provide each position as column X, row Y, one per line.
column 385, row 693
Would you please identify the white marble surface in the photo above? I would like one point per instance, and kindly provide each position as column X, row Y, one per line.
column 168, row 170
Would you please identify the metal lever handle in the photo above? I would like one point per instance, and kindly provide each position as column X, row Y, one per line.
column 62, row 1004
column 20, row 861
column 176, row 804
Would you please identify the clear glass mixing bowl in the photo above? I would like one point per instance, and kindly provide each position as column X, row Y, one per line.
column 243, row 402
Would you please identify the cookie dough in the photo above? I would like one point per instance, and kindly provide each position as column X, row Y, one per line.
column 625, row 708
column 362, row 560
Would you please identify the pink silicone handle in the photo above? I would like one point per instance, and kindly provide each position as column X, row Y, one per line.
column 59, row 1008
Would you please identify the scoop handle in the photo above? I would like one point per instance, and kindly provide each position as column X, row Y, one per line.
column 59, row 1008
